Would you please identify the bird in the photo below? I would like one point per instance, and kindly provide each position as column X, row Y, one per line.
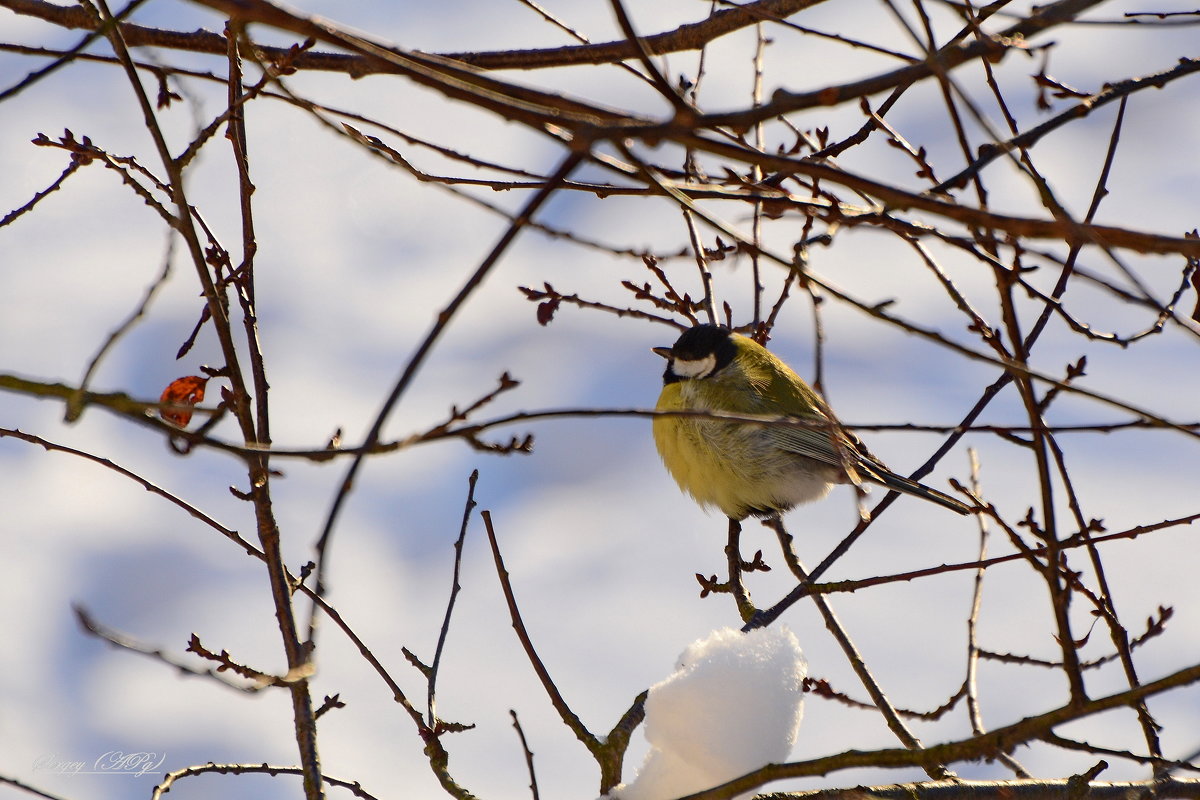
column 752, row 469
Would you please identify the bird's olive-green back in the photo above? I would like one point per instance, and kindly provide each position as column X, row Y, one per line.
column 773, row 387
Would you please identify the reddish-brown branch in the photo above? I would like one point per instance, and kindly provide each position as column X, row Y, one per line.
column 691, row 36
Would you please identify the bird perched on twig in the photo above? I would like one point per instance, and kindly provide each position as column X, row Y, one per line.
column 749, row 468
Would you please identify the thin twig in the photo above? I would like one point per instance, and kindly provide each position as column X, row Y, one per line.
column 936, row 770
column 533, row 786
column 709, row 302
column 455, row 587
column 126, row 642
column 67, row 172
column 169, row 780
column 973, row 710
column 642, row 53
column 28, row 789
column 569, row 718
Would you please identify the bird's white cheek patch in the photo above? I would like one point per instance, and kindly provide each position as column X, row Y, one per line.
column 700, row 368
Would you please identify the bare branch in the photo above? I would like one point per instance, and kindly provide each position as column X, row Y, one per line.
column 1031, row 789
column 125, row 642
column 162, row 788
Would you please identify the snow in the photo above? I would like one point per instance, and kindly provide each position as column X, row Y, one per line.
column 732, row 705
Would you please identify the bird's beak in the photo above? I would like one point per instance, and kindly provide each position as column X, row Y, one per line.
column 665, row 352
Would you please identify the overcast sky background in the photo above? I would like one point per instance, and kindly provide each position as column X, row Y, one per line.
column 354, row 261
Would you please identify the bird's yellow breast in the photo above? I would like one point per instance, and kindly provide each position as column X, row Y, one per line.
column 726, row 465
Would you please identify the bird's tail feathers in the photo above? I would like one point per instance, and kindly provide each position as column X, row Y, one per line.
column 901, row 484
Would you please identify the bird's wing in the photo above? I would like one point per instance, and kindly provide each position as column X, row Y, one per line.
column 842, row 449
column 822, row 440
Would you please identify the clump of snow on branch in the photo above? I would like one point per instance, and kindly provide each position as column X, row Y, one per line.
column 732, row 705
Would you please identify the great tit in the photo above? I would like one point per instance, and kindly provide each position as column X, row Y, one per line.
column 748, row 469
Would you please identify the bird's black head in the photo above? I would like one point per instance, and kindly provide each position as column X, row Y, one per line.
column 698, row 353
